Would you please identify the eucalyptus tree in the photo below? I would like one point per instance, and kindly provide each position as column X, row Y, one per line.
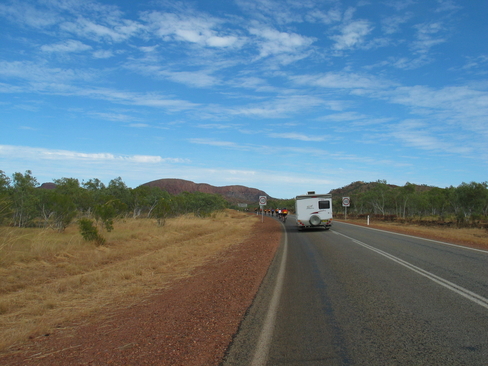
column 94, row 193
column 4, row 183
column 24, row 198
column 119, row 190
column 70, row 187
column 153, row 197
column 471, row 199
column 145, row 199
column 106, row 213
column 162, row 210
column 379, row 198
column 57, row 209
column 5, row 201
column 405, row 194
column 437, row 201
column 203, row 204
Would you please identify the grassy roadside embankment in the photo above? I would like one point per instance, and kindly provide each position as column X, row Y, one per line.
column 49, row 279
column 473, row 237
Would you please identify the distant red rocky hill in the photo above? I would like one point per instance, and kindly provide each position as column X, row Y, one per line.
column 234, row 194
column 48, row 186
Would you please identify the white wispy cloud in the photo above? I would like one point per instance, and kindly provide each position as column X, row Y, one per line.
column 352, row 35
column 26, row 152
column 265, row 10
column 238, row 146
column 343, row 117
column 213, row 142
column 59, row 81
column 399, row 5
column 428, row 36
column 116, row 117
column 258, row 84
column 66, row 47
column 199, row 29
column 29, row 15
column 40, row 73
column 410, row 63
column 273, row 42
column 103, row 54
column 477, row 63
column 217, row 126
column 447, row 6
column 392, row 24
column 200, row 79
column 342, row 80
column 113, row 30
column 280, row 107
column 456, row 105
column 89, row 19
column 416, row 133
column 296, row 136
column 329, row 16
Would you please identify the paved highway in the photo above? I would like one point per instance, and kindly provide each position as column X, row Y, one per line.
column 359, row 296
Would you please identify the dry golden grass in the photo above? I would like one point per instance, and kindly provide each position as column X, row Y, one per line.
column 50, row 278
column 463, row 236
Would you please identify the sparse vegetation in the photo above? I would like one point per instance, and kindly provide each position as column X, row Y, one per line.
column 54, row 271
column 24, row 204
column 50, row 278
column 462, row 206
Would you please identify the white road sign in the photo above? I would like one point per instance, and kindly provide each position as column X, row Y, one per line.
column 263, row 200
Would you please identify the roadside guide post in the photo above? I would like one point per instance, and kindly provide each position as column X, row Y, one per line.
column 346, row 202
column 263, row 200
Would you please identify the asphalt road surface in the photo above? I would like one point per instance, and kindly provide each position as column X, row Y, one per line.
column 359, row 296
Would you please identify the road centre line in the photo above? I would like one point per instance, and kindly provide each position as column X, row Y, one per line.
column 478, row 299
column 418, row 237
column 262, row 348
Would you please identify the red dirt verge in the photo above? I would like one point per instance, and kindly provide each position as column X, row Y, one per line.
column 190, row 323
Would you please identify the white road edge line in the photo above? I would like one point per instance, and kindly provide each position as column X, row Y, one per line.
column 262, row 349
column 478, row 299
column 419, row 237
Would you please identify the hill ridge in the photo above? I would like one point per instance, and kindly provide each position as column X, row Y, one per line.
column 232, row 193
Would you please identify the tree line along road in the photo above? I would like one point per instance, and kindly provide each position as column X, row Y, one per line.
column 359, row 296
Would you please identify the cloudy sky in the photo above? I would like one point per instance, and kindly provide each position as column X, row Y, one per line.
column 281, row 95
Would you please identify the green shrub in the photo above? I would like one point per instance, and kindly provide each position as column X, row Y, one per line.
column 89, row 232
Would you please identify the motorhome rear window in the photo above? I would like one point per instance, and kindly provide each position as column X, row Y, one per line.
column 324, row 204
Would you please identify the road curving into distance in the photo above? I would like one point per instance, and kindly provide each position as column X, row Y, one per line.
column 359, row 296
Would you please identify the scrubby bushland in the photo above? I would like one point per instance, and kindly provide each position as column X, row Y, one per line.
column 464, row 205
column 24, row 204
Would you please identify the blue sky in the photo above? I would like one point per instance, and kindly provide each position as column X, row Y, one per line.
column 285, row 96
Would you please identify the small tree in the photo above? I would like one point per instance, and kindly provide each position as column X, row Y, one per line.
column 64, row 211
column 89, row 231
column 57, row 209
column 405, row 194
column 24, row 199
column 106, row 213
column 162, row 210
column 5, row 202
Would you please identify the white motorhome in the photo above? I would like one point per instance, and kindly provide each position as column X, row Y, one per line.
column 313, row 211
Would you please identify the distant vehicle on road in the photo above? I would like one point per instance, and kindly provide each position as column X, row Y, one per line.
column 313, row 211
